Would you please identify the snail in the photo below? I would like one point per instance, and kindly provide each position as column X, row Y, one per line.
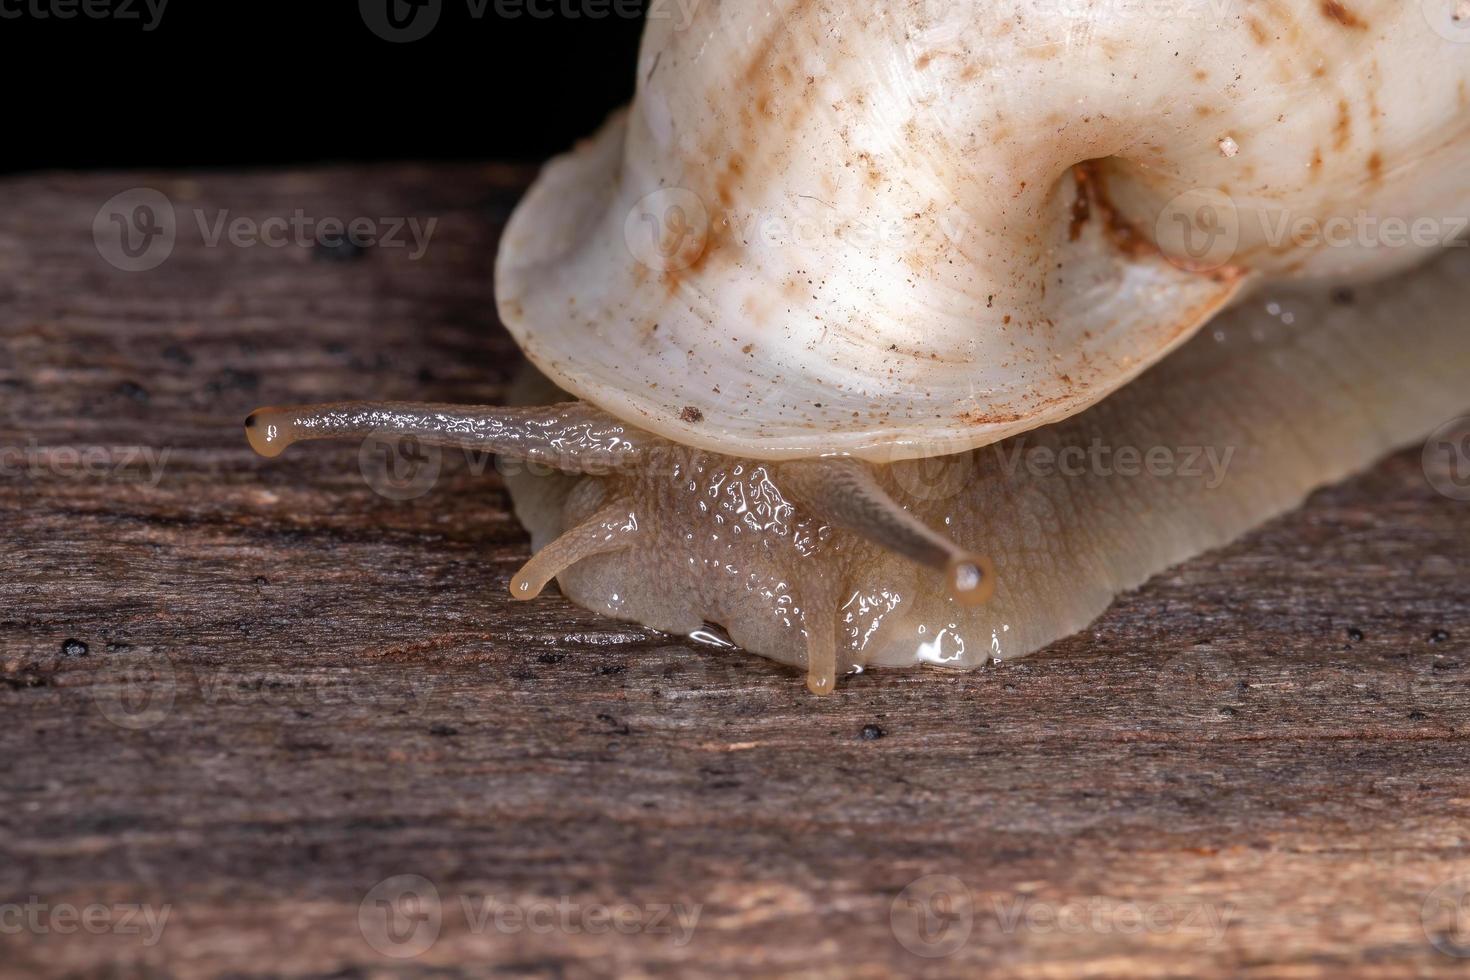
column 872, row 332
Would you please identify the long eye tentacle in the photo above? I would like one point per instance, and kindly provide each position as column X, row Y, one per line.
column 573, row 437
column 611, row 528
column 845, row 492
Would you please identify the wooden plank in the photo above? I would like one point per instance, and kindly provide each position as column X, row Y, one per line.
column 295, row 689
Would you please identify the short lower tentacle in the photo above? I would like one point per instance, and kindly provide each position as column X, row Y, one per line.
column 609, row 529
column 819, row 616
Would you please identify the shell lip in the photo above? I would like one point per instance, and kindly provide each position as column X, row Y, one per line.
column 878, row 444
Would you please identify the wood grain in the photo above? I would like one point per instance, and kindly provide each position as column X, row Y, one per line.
column 294, row 688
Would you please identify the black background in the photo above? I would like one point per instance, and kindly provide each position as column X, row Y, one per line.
column 222, row 84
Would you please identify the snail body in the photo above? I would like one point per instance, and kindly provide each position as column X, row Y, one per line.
column 1235, row 428
column 883, row 449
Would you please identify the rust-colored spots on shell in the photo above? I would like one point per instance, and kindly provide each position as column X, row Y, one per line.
column 687, row 255
column 729, row 176
column 1259, row 34
column 1121, row 233
column 1335, row 11
column 1375, row 167
column 1342, row 130
column 871, row 171
column 691, row 415
column 1124, row 236
column 973, row 417
column 1081, row 204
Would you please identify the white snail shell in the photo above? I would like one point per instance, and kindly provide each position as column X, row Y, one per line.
column 828, row 226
